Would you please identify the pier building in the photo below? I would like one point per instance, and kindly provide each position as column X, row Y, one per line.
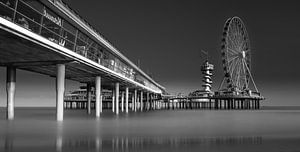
column 48, row 37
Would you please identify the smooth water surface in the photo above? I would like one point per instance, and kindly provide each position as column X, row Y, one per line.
column 35, row 129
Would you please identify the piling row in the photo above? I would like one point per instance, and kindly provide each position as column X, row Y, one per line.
column 217, row 103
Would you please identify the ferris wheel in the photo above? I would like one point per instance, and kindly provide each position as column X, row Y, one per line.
column 236, row 56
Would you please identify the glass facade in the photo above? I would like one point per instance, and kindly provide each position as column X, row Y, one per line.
column 38, row 18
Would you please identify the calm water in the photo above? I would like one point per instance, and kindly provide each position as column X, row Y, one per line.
column 35, row 129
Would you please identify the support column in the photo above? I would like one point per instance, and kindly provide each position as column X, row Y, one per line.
column 243, row 103
column 257, row 104
column 153, row 102
column 60, row 89
column 216, row 104
column 122, row 101
column 126, row 99
column 101, row 103
column 113, row 101
column 98, row 104
column 10, row 90
column 89, row 96
column 135, row 100
column 117, row 97
column 132, row 102
column 141, row 101
column 148, row 103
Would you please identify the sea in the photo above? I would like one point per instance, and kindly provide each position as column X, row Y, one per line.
column 270, row 129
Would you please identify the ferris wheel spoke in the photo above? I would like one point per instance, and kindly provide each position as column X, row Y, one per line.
column 241, row 42
column 236, row 42
column 232, row 51
column 232, row 41
column 236, row 33
column 230, row 67
column 242, row 46
column 239, row 77
column 239, row 37
column 231, row 59
column 233, row 68
column 240, row 32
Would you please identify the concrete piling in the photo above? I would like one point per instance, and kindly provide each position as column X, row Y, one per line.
column 10, row 90
column 60, row 89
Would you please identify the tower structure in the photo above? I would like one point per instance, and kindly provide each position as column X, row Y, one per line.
column 207, row 69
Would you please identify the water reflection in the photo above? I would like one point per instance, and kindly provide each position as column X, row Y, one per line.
column 8, row 139
column 59, row 137
column 155, row 143
column 8, row 143
column 157, row 131
column 127, row 143
column 81, row 142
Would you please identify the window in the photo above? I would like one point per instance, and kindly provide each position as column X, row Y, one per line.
column 81, row 47
column 50, row 35
column 82, row 37
column 8, row 3
column 51, row 21
column 51, row 26
column 92, row 51
column 67, row 40
column 29, row 12
column 68, row 27
column 68, row 36
column 28, row 17
column 5, row 11
column 99, row 54
column 36, row 5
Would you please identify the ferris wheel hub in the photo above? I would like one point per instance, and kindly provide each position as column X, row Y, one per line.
column 243, row 54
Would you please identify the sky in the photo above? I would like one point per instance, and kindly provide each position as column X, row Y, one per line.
column 167, row 36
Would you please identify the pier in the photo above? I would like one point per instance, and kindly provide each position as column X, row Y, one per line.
column 215, row 103
column 164, row 102
column 49, row 38
column 138, row 101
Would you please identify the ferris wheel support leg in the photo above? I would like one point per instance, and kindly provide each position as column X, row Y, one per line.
column 250, row 75
column 221, row 85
